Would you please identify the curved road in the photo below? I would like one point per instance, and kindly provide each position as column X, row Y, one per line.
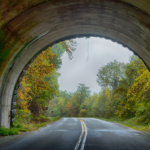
column 79, row 134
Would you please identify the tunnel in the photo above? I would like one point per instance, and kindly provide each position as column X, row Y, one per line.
column 28, row 27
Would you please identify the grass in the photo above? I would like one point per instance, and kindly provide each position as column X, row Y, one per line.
column 18, row 127
column 34, row 126
column 132, row 123
column 6, row 132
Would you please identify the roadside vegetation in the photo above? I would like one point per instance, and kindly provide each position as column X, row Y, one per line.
column 19, row 127
column 124, row 97
column 131, row 123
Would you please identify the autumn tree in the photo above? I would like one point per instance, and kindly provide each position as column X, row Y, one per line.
column 40, row 85
column 39, row 88
column 133, row 70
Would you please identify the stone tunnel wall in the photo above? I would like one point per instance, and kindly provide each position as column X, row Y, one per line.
column 27, row 26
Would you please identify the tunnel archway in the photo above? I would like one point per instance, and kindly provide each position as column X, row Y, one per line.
column 36, row 25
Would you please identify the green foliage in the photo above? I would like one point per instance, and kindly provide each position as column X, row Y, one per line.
column 22, row 117
column 13, row 131
column 82, row 113
column 39, row 86
column 6, row 132
column 69, row 104
column 100, row 105
column 3, row 131
column 132, row 123
column 131, row 97
column 134, row 69
column 18, row 127
column 125, row 94
column 57, row 106
column 111, row 74
column 84, row 91
column 52, row 81
column 65, row 94
column 125, row 91
column 17, row 124
column 58, row 49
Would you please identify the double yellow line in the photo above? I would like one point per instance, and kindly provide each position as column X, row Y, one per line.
column 81, row 136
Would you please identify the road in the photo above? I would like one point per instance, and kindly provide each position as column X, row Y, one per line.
column 79, row 134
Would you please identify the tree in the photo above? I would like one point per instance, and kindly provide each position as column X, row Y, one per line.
column 35, row 90
column 40, row 85
column 111, row 74
column 100, row 105
column 57, row 106
column 134, row 69
column 84, row 92
column 82, row 113
column 69, row 46
column 52, row 80
column 73, row 106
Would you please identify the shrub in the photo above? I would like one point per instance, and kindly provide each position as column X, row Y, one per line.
column 13, row 131
column 3, row 131
column 82, row 113
column 22, row 116
column 17, row 124
column 6, row 132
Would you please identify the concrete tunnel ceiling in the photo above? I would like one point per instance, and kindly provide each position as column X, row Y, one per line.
column 29, row 26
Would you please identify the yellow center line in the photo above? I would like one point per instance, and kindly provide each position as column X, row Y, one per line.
column 85, row 135
column 80, row 138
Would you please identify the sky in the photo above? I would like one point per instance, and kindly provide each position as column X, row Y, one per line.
column 90, row 55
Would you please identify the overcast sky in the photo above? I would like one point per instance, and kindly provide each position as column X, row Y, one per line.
column 83, row 69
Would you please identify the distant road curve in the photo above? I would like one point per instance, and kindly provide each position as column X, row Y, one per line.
column 80, row 134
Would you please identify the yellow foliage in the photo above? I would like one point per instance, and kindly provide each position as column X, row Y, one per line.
column 33, row 84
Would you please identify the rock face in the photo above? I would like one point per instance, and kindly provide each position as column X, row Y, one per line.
column 28, row 27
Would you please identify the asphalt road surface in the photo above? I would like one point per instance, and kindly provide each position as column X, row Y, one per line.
column 80, row 134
